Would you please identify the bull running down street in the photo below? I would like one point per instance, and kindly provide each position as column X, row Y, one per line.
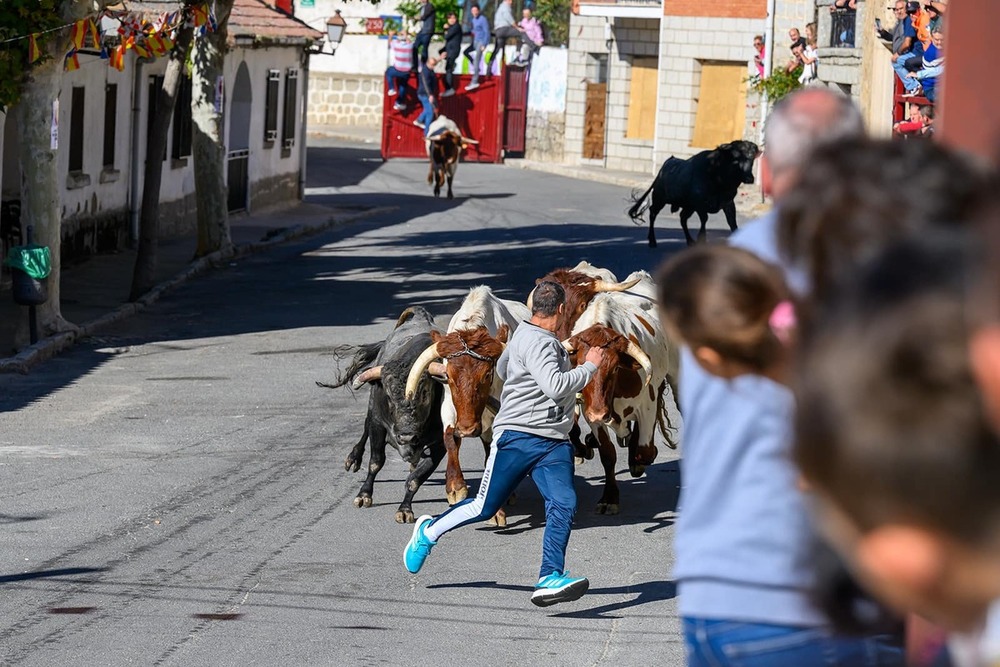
column 174, row 492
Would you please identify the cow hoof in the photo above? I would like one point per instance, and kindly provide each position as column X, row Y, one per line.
column 512, row 500
column 636, row 470
column 652, row 243
column 607, row 508
column 352, row 464
column 499, row 520
column 458, row 495
column 451, row 196
column 405, row 516
column 363, row 501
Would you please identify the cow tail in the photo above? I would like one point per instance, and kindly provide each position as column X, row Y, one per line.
column 638, row 205
column 361, row 356
column 663, row 419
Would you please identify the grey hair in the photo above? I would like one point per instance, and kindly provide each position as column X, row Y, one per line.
column 547, row 298
column 800, row 122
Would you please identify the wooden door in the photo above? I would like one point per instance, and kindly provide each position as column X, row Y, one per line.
column 593, row 121
column 515, row 107
column 722, row 102
column 642, row 99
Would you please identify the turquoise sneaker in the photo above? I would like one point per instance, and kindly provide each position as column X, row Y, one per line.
column 557, row 588
column 419, row 546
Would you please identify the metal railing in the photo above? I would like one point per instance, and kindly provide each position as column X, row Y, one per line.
column 842, row 28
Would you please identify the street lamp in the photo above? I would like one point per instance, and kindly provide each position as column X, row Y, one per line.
column 335, row 27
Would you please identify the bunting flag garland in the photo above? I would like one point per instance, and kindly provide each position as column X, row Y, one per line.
column 72, row 61
column 33, row 51
column 148, row 38
column 78, row 33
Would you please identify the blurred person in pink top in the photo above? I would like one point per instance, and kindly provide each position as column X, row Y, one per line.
column 533, row 38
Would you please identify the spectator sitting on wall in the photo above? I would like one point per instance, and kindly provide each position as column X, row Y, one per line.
column 533, row 38
column 480, row 40
column 758, row 56
column 401, row 62
column 504, row 28
column 428, row 17
column 798, row 43
column 933, row 65
column 452, row 47
column 936, row 9
column 905, row 46
column 427, row 94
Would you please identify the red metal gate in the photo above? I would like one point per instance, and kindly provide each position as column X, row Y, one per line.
column 515, row 113
column 479, row 114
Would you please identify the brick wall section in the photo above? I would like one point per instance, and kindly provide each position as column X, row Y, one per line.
column 685, row 43
column 345, row 99
column 631, row 38
column 746, row 9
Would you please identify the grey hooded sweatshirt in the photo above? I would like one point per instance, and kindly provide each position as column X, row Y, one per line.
column 539, row 384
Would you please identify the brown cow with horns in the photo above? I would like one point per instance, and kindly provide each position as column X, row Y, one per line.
column 445, row 144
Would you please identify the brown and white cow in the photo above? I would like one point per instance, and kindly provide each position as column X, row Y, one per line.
column 626, row 395
column 445, row 144
column 468, row 352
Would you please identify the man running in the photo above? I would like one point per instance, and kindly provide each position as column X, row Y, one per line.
column 532, row 429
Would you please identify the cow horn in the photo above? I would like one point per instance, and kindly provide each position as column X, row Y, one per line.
column 469, row 141
column 568, row 346
column 605, row 286
column 366, row 376
column 417, row 369
column 636, row 353
column 531, row 295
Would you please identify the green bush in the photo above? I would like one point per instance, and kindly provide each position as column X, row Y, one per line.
column 779, row 84
column 410, row 9
column 554, row 17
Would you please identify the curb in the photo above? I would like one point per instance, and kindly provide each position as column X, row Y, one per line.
column 51, row 346
column 345, row 136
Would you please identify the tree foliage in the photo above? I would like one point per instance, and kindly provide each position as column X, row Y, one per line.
column 554, row 17
column 410, row 9
column 779, row 84
column 19, row 18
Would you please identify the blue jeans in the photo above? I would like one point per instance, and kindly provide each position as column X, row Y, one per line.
column 734, row 644
column 397, row 80
column 515, row 455
column 427, row 115
column 901, row 71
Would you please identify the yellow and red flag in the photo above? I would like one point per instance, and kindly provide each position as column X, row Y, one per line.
column 140, row 49
column 156, row 45
column 117, row 58
column 78, row 33
column 72, row 61
column 95, row 34
column 200, row 15
column 34, row 53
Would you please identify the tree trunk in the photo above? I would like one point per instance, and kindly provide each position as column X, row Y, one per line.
column 143, row 277
column 209, row 146
column 41, row 185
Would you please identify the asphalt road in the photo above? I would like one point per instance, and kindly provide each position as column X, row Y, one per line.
column 173, row 492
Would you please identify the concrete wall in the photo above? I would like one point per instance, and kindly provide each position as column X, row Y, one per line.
column 685, row 42
column 546, row 124
column 630, row 38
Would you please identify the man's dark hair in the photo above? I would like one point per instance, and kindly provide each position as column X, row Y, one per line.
column 547, row 298
column 473, row 6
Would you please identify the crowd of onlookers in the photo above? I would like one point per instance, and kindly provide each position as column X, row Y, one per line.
column 840, row 387
column 407, row 55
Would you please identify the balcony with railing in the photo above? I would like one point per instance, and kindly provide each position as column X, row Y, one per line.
column 839, row 59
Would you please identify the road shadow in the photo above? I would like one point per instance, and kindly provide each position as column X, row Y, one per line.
column 645, row 593
column 48, row 574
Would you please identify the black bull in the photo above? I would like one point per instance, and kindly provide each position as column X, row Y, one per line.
column 705, row 183
column 412, row 427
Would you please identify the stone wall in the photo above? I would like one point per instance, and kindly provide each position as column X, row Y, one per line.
column 345, row 99
column 279, row 189
column 545, row 135
column 546, row 122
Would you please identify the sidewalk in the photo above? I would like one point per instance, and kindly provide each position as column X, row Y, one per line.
column 363, row 135
column 95, row 291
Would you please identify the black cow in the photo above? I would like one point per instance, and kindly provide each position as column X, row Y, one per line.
column 412, row 427
column 705, row 183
